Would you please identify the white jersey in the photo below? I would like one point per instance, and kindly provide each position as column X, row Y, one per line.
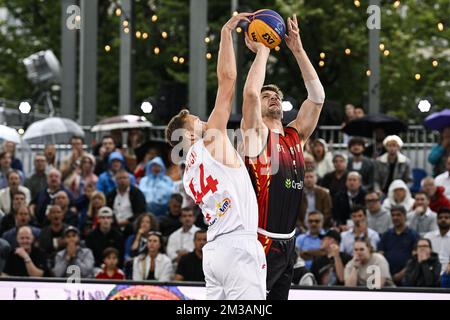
column 225, row 195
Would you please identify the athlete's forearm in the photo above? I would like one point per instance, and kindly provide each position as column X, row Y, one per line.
column 226, row 62
column 257, row 73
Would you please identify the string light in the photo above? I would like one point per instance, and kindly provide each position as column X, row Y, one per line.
column 348, row 51
column 440, row 26
column 321, row 63
column 78, row 18
column 208, row 56
column 181, row 60
column 417, row 76
column 154, row 18
column 386, row 52
column 21, row 131
column 368, row 73
column 435, row 63
column 118, row 12
column 164, row 34
column 322, row 55
column 145, row 35
column 125, row 23
column 235, row 13
column 382, row 46
column 138, row 34
column 107, row 48
column 357, row 3
column 207, row 40
column 156, row 50
column 396, row 4
column 175, row 59
column 126, row 30
column 238, row 29
column 277, row 48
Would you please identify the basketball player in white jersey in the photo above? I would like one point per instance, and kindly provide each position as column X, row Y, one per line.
column 216, row 178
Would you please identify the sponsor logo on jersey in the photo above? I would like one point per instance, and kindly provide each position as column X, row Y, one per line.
column 222, row 207
column 291, row 184
column 190, row 162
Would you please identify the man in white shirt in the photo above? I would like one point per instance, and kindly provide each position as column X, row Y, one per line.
column 421, row 218
column 440, row 239
column 443, row 179
column 181, row 242
column 358, row 231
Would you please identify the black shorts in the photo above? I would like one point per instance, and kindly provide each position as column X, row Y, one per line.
column 281, row 257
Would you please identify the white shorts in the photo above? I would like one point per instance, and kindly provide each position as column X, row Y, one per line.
column 235, row 268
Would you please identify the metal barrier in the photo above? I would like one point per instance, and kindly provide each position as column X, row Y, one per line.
column 417, row 144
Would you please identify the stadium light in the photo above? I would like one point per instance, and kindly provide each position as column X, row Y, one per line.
column 287, row 106
column 424, row 105
column 25, row 107
column 146, row 107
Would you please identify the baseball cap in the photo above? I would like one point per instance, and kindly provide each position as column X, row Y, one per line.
column 332, row 234
column 105, row 212
column 71, row 228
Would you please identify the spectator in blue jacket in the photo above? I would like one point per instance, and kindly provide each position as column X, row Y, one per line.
column 107, row 182
column 445, row 277
column 439, row 152
column 156, row 186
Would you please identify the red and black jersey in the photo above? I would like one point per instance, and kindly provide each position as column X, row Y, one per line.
column 277, row 176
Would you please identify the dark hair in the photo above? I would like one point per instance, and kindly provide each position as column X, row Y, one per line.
column 177, row 197
column 399, row 209
column 110, row 250
column 177, row 122
column 187, row 209
column 360, row 107
column 154, row 224
column 198, row 232
column 422, row 192
column 356, row 140
column 75, row 137
column 443, row 210
column 158, row 234
column 10, row 172
column 357, row 208
column 3, row 154
column 423, row 239
column 19, row 192
column 273, row 88
column 108, row 137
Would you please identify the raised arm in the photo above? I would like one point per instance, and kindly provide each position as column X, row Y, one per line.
column 309, row 113
column 251, row 109
column 226, row 75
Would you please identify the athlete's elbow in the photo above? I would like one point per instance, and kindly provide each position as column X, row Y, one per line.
column 251, row 93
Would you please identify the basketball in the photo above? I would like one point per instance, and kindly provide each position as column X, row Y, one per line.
column 267, row 27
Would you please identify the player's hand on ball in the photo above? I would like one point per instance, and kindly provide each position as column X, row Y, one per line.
column 254, row 46
column 234, row 20
column 292, row 36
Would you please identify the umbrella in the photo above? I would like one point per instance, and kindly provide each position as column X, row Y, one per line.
column 365, row 126
column 54, row 130
column 9, row 134
column 126, row 121
column 438, row 120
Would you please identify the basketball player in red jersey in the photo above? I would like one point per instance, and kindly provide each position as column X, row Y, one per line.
column 274, row 157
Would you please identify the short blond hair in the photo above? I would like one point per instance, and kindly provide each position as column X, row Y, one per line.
column 177, row 122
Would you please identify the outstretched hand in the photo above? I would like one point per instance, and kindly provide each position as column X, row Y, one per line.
column 234, row 20
column 254, row 46
column 292, row 37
